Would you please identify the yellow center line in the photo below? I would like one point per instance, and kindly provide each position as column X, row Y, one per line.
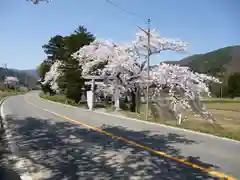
column 179, row 160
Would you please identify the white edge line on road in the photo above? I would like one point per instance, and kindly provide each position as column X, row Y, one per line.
column 8, row 136
column 2, row 112
column 151, row 123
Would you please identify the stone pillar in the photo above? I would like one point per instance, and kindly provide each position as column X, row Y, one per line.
column 90, row 96
column 117, row 98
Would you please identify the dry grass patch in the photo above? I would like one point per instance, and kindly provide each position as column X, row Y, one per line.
column 228, row 122
column 8, row 93
column 224, row 106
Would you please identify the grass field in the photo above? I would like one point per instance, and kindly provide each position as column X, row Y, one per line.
column 233, row 106
column 226, row 112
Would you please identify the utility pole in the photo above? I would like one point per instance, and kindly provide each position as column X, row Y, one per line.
column 5, row 70
column 26, row 81
column 5, row 74
column 148, row 64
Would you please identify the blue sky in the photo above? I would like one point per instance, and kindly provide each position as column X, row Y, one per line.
column 204, row 24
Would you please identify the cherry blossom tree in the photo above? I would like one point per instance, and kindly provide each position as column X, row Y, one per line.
column 157, row 43
column 105, row 58
column 52, row 75
column 126, row 63
column 11, row 81
column 184, row 87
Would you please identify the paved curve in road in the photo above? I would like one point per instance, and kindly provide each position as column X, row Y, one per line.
column 67, row 146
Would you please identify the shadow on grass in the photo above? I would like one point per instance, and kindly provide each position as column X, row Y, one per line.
column 73, row 152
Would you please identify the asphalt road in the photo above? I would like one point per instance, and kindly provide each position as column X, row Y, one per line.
column 60, row 142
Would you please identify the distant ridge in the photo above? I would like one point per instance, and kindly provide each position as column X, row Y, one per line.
column 29, row 76
column 222, row 61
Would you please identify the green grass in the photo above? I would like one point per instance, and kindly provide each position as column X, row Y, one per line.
column 61, row 99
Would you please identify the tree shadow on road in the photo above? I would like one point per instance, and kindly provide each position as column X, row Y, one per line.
column 6, row 173
column 73, row 152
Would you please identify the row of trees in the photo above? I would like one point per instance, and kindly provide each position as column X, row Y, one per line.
column 79, row 54
column 231, row 87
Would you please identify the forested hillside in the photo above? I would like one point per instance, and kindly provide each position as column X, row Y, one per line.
column 220, row 62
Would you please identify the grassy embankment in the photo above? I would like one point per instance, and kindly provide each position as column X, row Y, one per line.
column 226, row 111
column 9, row 93
column 60, row 99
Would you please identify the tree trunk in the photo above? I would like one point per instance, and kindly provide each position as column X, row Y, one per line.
column 138, row 100
column 133, row 104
